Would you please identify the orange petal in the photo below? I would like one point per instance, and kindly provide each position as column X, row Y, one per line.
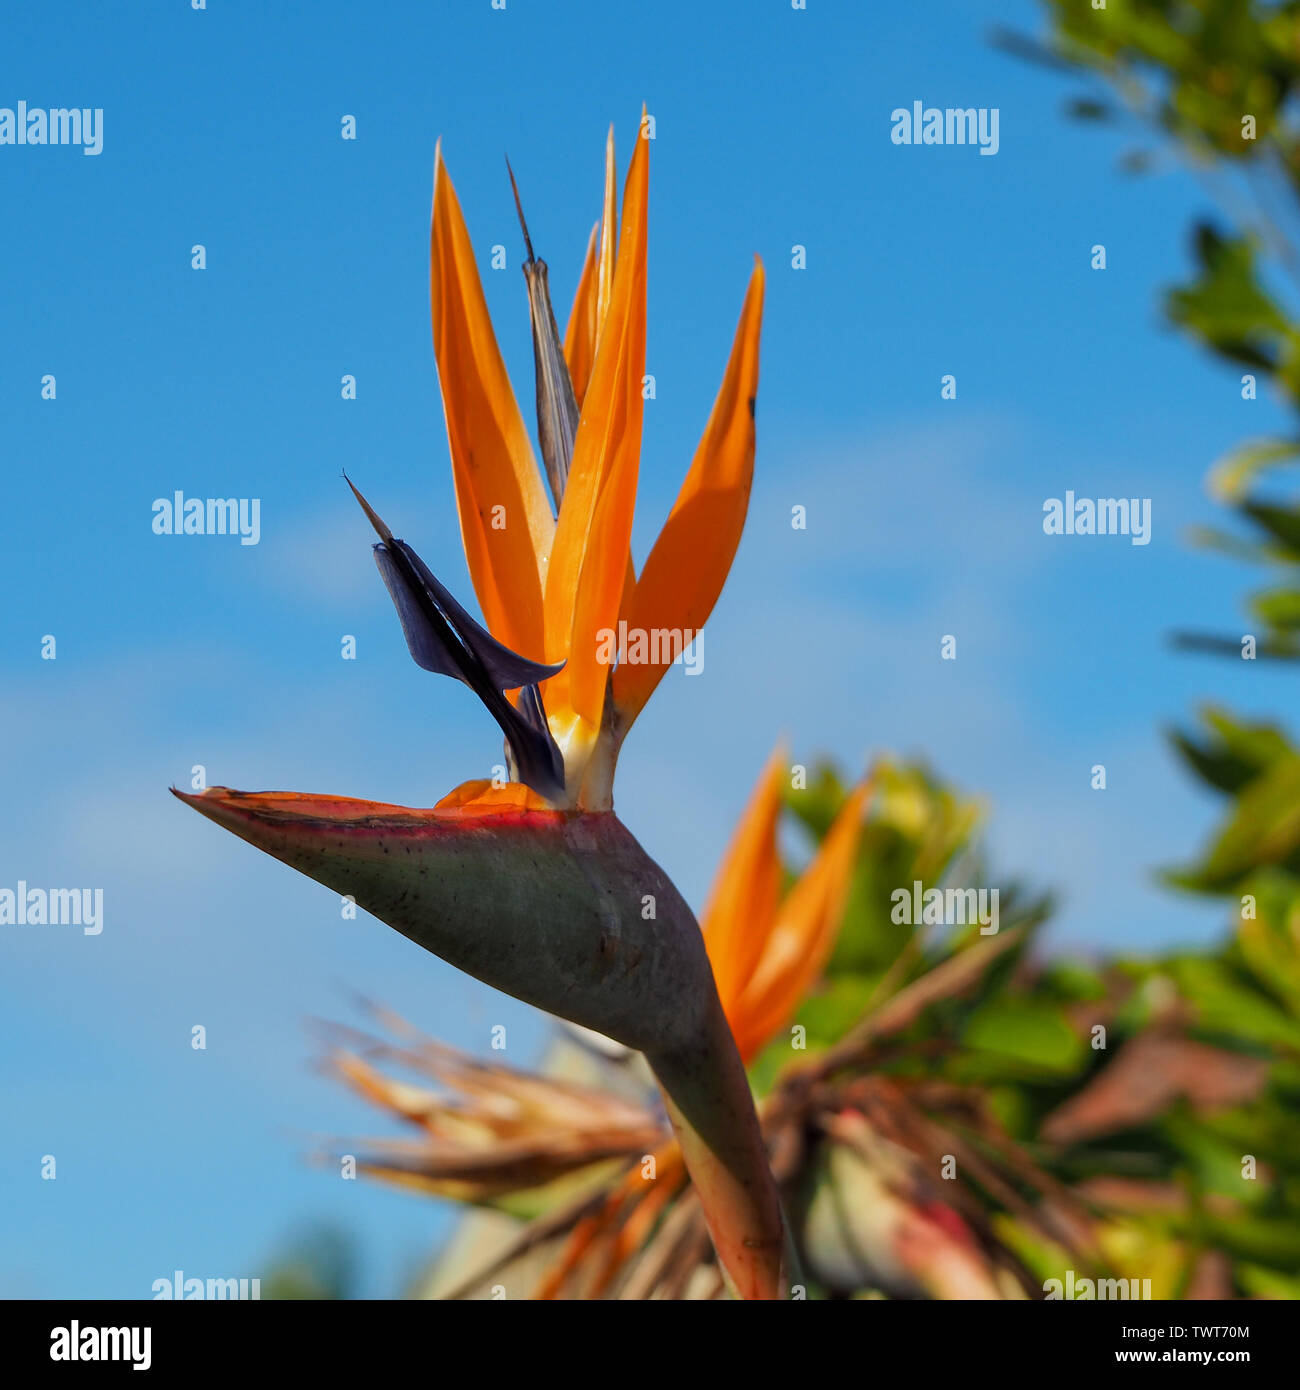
column 741, row 910
column 608, row 238
column 641, row 1221
column 807, row 924
column 580, row 335
column 482, row 797
column 603, row 287
column 505, row 515
column 589, row 558
column 688, row 566
column 581, row 1239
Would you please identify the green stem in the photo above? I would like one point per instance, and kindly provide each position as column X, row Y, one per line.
column 712, row 1111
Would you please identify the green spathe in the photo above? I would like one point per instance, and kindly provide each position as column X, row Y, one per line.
column 569, row 913
column 565, row 912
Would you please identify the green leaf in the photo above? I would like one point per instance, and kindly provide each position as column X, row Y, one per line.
column 1225, row 1004
column 1282, row 523
column 1227, row 307
column 1029, row 1032
column 1238, row 468
column 1279, row 608
column 1260, row 1282
column 1237, row 753
column 1264, row 828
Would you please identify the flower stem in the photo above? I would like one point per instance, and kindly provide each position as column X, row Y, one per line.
column 712, row 1111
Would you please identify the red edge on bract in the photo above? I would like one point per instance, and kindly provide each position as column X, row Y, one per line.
column 478, row 800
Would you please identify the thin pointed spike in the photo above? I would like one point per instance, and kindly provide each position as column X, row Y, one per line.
column 375, row 519
column 519, row 208
column 557, row 405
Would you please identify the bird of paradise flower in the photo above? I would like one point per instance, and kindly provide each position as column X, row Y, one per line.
column 535, row 886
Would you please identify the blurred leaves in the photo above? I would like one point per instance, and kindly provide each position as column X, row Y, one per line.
column 1226, row 306
column 1238, row 469
column 320, row 1263
column 1216, row 81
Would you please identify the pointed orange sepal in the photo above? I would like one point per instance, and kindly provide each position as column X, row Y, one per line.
column 741, row 910
column 505, row 516
column 590, row 556
column 688, row 566
column 806, row 927
column 608, row 249
column 580, row 335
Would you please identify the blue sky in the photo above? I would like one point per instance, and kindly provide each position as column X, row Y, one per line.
column 924, row 518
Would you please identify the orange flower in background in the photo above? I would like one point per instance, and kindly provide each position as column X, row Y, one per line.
column 766, row 952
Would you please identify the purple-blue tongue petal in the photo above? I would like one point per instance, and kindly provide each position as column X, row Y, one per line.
column 443, row 638
column 507, row 668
